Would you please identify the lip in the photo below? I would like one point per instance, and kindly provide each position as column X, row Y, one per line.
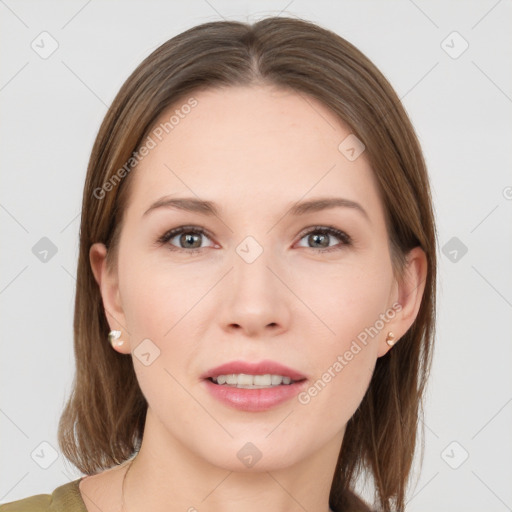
column 251, row 368
column 254, row 400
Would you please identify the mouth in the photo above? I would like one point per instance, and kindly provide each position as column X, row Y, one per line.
column 252, row 392
column 252, row 375
column 253, row 387
column 247, row 381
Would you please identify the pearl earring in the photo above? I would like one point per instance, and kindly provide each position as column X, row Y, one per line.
column 113, row 338
column 390, row 339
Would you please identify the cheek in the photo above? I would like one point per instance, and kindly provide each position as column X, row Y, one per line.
column 351, row 305
column 155, row 294
column 347, row 297
column 339, row 389
column 158, row 302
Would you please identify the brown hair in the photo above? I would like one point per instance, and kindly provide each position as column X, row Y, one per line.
column 103, row 421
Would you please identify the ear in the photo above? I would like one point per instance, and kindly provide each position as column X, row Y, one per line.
column 109, row 289
column 409, row 293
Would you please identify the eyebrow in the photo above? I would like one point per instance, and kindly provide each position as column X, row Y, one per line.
column 191, row 204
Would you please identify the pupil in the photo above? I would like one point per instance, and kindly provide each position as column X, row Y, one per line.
column 319, row 238
column 188, row 240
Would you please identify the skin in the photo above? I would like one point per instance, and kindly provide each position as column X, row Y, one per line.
column 254, row 151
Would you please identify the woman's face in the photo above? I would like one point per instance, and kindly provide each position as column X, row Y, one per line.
column 258, row 280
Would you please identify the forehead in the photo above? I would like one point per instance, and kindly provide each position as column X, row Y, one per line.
column 245, row 143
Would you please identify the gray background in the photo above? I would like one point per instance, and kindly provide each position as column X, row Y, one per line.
column 460, row 104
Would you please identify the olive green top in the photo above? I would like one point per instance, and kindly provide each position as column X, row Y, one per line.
column 66, row 498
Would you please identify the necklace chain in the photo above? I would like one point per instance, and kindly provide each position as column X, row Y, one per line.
column 122, row 485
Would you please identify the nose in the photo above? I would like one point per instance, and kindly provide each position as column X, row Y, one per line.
column 255, row 301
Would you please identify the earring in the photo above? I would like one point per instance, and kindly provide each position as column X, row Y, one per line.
column 113, row 338
column 390, row 339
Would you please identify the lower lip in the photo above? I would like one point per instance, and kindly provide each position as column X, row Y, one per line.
column 254, row 400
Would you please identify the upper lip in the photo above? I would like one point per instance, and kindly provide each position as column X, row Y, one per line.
column 251, row 368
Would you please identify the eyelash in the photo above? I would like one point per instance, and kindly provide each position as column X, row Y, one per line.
column 345, row 239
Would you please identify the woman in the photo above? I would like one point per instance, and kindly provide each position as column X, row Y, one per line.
column 257, row 234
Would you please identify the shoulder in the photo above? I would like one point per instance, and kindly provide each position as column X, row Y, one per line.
column 65, row 498
column 39, row 502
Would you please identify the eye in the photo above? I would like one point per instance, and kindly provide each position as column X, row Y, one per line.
column 320, row 237
column 191, row 239
column 185, row 238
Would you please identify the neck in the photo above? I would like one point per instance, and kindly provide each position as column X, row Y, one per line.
column 168, row 476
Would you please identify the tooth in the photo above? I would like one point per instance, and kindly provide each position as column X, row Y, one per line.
column 263, row 380
column 252, row 387
column 276, row 380
column 245, row 380
column 231, row 379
